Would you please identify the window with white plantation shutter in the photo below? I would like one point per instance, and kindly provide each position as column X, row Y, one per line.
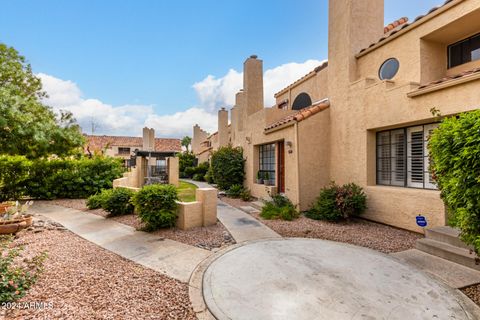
column 402, row 157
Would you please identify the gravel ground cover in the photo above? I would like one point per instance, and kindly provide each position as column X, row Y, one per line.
column 473, row 292
column 357, row 231
column 209, row 238
column 84, row 281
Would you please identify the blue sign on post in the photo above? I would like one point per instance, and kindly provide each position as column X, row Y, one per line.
column 421, row 221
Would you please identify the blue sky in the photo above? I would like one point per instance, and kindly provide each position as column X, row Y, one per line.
column 151, row 53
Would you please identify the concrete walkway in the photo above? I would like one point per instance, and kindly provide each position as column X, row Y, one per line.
column 241, row 225
column 318, row 279
column 174, row 259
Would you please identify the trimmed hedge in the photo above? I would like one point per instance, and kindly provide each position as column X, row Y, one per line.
column 455, row 153
column 117, row 201
column 156, row 206
column 56, row 178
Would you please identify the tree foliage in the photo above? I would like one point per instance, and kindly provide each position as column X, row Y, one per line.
column 455, row 163
column 186, row 142
column 228, row 167
column 27, row 127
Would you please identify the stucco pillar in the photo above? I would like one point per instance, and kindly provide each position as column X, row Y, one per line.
column 140, row 172
column 253, row 84
column 173, row 171
column 208, row 198
column 222, row 127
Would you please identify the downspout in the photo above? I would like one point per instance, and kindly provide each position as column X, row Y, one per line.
column 297, row 153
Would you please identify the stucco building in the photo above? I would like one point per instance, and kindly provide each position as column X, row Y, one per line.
column 365, row 115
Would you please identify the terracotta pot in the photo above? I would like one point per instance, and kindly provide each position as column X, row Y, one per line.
column 15, row 225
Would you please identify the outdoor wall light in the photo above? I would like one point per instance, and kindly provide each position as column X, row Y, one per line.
column 289, row 144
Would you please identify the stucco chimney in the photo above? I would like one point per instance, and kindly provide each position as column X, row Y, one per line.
column 222, row 127
column 352, row 26
column 148, row 139
column 240, row 110
column 253, row 84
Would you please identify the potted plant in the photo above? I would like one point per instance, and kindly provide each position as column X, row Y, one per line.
column 259, row 178
column 15, row 218
column 266, row 179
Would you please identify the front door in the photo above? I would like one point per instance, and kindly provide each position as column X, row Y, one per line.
column 281, row 167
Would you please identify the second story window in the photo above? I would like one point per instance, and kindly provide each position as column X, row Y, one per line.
column 464, row 51
column 123, row 151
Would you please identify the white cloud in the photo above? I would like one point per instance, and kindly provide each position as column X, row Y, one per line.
column 215, row 93
column 129, row 119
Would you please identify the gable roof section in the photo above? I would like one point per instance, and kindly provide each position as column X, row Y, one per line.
column 97, row 143
column 305, row 77
column 301, row 115
column 406, row 25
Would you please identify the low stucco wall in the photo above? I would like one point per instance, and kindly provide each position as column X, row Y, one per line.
column 399, row 206
column 200, row 213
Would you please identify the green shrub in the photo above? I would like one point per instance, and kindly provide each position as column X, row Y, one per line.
column 235, row 191
column 228, row 167
column 189, row 172
column 209, row 176
column 156, row 206
column 198, row 177
column 185, row 159
column 246, row 195
column 117, row 201
column 335, row 203
column 455, row 163
column 17, row 274
column 56, row 178
column 95, row 201
column 279, row 208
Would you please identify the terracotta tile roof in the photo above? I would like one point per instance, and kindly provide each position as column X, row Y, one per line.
column 317, row 69
column 406, row 25
column 97, row 143
column 395, row 24
column 301, row 115
column 445, row 79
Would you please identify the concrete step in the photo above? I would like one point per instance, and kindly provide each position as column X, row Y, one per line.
column 447, row 235
column 257, row 204
column 446, row 251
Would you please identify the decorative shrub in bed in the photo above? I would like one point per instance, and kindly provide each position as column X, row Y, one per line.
column 156, row 206
column 338, row 202
column 279, row 208
column 117, row 201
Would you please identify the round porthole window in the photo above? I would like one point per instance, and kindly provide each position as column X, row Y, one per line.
column 389, row 69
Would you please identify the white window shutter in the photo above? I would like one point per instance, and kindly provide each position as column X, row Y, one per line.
column 415, row 157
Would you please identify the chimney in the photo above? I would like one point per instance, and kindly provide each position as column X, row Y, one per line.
column 240, row 110
column 352, row 26
column 253, row 84
column 223, row 127
column 148, row 139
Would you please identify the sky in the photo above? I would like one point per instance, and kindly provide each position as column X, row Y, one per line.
column 122, row 65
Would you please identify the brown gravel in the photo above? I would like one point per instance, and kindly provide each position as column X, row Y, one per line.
column 358, row 231
column 84, row 281
column 210, row 237
column 473, row 292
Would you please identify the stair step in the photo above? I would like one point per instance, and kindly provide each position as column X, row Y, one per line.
column 257, row 204
column 447, row 235
column 446, row 251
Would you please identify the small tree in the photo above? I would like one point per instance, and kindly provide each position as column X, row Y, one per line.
column 455, row 163
column 186, row 142
column 228, row 167
column 27, row 127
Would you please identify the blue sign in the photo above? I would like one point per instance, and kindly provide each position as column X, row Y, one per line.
column 421, row 221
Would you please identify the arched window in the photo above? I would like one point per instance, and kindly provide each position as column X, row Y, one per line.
column 303, row 100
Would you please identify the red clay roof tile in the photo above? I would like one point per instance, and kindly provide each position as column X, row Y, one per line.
column 445, row 79
column 301, row 114
column 406, row 24
column 97, row 143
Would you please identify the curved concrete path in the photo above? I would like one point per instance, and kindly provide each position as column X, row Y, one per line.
column 318, row 279
column 174, row 259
